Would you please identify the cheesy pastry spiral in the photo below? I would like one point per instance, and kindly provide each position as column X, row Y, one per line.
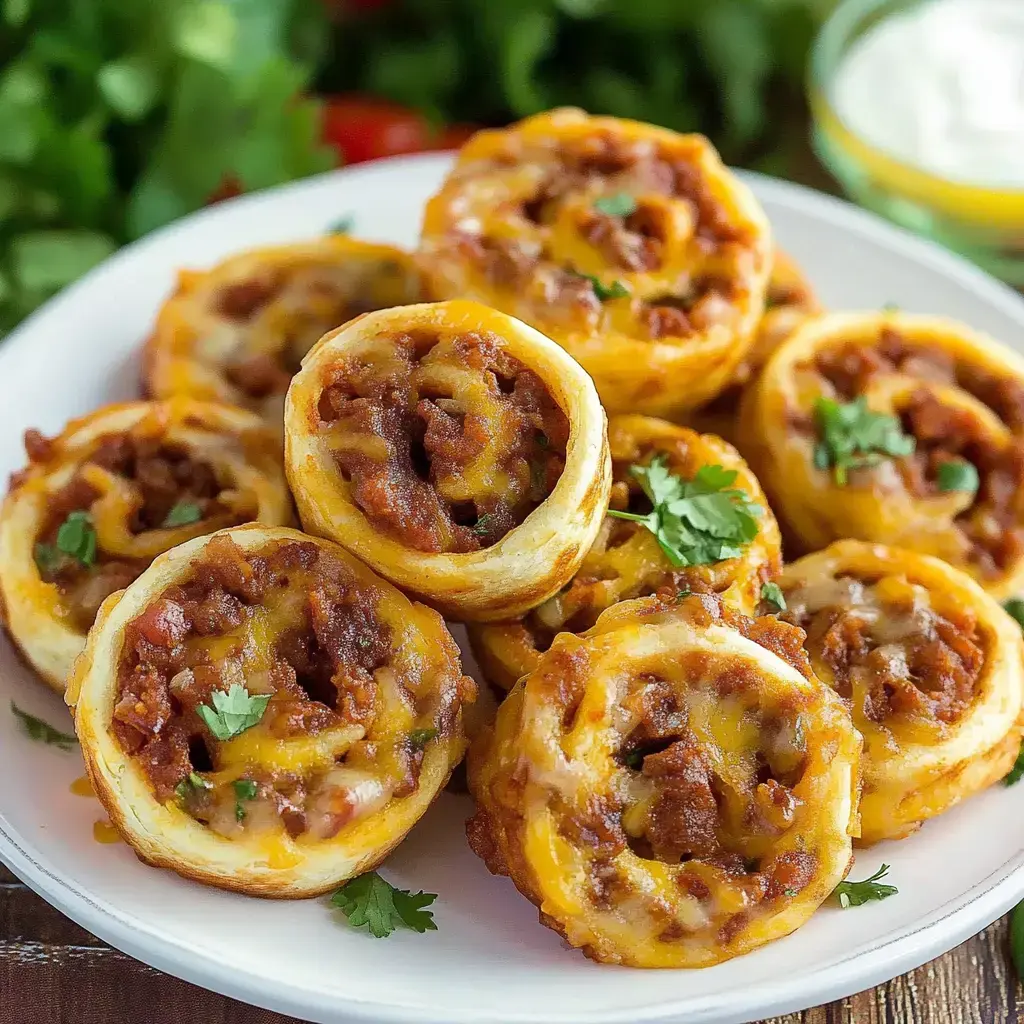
column 671, row 789
column 930, row 666
column 116, row 488
column 456, row 450
column 789, row 301
column 260, row 712
column 630, row 245
column 898, row 429
column 626, row 560
column 237, row 332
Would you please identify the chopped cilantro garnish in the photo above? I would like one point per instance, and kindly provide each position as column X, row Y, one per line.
column 42, row 732
column 1016, row 773
column 853, row 894
column 419, row 738
column 483, row 525
column 245, row 789
column 633, row 759
column 771, row 594
column 852, row 436
column 1015, row 609
column 233, row 712
column 184, row 513
column 619, row 204
column 77, row 537
column 47, row 558
column 371, row 902
column 699, row 521
column 958, row 475
column 615, row 290
column 189, row 785
column 683, row 594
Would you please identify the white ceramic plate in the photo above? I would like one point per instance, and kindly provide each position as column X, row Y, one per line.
column 490, row 961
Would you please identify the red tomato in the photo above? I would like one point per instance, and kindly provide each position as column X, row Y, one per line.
column 364, row 128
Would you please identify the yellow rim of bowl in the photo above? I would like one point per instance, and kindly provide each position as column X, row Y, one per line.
column 971, row 204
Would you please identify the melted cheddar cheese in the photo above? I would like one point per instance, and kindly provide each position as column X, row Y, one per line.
column 672, row 788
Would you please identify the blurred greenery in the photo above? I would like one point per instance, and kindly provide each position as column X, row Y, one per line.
column 117, row 116
column 717, row 66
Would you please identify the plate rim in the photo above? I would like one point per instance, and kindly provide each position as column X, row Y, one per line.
column 945, row 927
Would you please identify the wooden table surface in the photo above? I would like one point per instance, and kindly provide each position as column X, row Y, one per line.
column 53, row 972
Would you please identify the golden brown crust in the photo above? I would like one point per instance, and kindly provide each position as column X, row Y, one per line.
column 260, row 856
column 789, row 301
column 237, row 332
column 958, row 393
column 518, row 224
column 618, row 787
column 117, row 464
column 626, row 561
column 503, row 570
column 930, row 665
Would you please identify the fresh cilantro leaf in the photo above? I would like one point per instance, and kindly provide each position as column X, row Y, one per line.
column 1016, row 773
column 233, row 712
column 699, row 521
column 619, row 204
column 771, row 594
column 189, row 785
column 852, row 437
column 48, row 559
column 633, row 759
column 683, row 594
column 41, row 732
column 245, row 789
column 958, row 475
column 77, row 537
column 853, row 894
column 184, row 513
column 369, row 901
column 1015, row 609
column 419, row 738
column 792, row 892
column 615, row 290
column 343, row 225
column 483, row 525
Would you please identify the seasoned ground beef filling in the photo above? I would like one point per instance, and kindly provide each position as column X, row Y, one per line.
column 992, row 523
column 161, row 475
column 290, row 622
column 710, row 770
column 447, row 444
column 282, row 312
column 882, row 646
column 575, row 173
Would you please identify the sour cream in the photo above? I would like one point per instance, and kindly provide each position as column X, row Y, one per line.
column 941, row 86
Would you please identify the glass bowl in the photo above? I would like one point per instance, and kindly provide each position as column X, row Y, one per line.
column 984, row 224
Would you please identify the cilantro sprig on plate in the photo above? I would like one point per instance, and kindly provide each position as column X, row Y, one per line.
column 43, row 732
column 368, row 901
column 699, row 521
column 851, row 436
column 853, row 894
column 233, row 712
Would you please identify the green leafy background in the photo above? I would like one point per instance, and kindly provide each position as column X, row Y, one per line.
column 117, row 116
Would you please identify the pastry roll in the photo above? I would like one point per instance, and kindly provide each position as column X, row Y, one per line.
column 260, row 712
column 929, row 665
column 96, row 504
column 456, row 450
column 632, row 246
column 237, row 332
column 672, row 788
column 897, row 429
column 789, row 301
column 627, row 561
